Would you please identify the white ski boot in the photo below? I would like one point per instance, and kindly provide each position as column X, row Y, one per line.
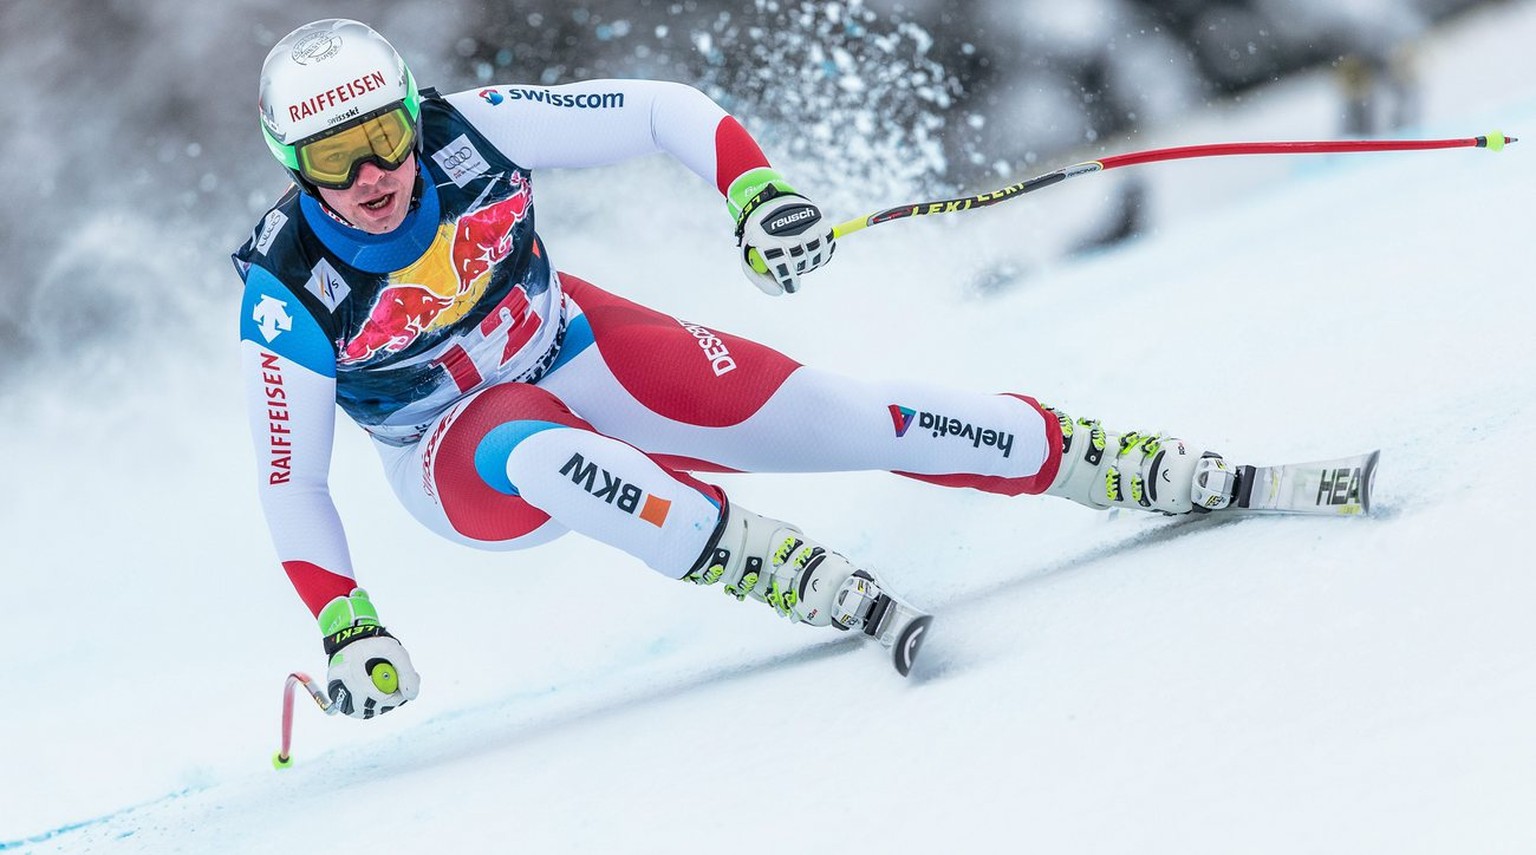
column 1102, row 469
column 774, row 562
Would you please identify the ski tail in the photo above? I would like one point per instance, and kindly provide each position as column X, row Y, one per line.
column 900, row 628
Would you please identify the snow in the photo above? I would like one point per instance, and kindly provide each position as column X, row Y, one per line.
column 1102, row 683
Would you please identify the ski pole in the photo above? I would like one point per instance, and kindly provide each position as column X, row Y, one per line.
column 1494, row 141
column 284, row 758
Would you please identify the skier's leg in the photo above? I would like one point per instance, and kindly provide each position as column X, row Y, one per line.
column 702, row 399
column 711, row 400
column 512, row 466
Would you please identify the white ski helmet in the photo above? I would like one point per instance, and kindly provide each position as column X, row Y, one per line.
column 334, row 95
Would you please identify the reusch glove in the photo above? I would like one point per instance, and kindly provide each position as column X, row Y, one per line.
column 369, row 672
column 781, row 233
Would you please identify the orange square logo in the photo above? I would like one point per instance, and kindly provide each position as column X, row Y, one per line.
column 655, row 510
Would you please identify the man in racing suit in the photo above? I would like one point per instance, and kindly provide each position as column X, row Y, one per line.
column 402, row 278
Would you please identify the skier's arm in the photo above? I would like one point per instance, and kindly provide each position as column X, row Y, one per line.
column 290, row 386
column 289, row 370
column 781, row 233
column 599, row 122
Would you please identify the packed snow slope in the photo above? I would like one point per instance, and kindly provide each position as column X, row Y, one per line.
column 1093, row 683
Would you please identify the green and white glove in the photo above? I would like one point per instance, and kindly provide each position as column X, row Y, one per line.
column 369, row 672
column 781, row 233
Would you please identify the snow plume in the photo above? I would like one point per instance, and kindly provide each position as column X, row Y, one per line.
column 842, row 91
column 839, row 94
column 137, row 167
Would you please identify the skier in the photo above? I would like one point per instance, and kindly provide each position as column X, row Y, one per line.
column 401, row 277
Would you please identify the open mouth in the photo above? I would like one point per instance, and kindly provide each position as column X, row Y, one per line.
column 379, row 204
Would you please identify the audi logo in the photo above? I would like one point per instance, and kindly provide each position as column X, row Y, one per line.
column 457, row 157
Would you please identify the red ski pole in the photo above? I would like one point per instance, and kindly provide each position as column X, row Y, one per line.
column 1494, row 141
column 284, row 758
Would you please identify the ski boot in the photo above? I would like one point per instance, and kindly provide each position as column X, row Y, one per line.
column 1102, row 469
column 775, row 563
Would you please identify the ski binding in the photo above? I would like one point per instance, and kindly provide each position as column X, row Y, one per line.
column 900, row 628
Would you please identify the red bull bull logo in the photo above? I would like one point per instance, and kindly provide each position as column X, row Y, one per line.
column 399, row 316
column 440, row 288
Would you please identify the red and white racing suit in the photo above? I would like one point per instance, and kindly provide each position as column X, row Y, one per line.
column 510, row 402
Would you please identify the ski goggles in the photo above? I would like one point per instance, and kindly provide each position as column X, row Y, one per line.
column 384, row 138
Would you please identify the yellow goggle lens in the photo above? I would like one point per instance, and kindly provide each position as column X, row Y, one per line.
column 333, row 160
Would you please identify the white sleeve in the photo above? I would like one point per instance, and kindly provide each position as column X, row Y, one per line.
column 292, row 414
column 598, row 122
column 288, row 368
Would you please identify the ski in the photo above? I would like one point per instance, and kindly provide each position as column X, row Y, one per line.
column 1340, row 487
column 900, row 628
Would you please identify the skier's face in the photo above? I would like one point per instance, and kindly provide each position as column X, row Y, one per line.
column 378, row 200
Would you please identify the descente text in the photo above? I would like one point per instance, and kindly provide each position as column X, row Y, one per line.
column 720, row 360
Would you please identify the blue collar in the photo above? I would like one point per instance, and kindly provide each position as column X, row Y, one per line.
column 372, row 253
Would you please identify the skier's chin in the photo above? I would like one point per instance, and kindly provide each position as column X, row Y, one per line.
column 378, row 200
column 379, row 213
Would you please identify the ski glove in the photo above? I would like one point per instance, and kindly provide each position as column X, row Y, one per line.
column 369, row 672
column 781, row 233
